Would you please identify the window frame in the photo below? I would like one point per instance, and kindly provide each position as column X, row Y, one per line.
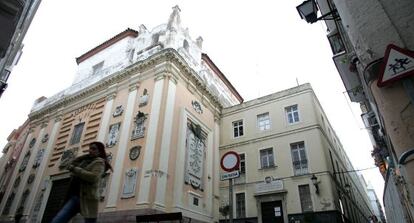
column 261, row 166
column 77, row 133
column 242, row 161
column 308, row 197
column 268, row 124
column 242, row 212
column 301, row 170
column 238, row 128
column 292, row 112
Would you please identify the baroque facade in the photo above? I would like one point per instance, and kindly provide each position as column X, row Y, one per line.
column 166, row 113
column 284, row 140
column 371, row 39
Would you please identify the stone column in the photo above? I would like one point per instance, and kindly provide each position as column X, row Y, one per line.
column 216, row 167
column 209, row 173
column 122, row 148
column 42, row 168
column 15, row 173
column 166, row 143
column 106, row 116
column 179, row 169
column 145, row 181
column 27, row 171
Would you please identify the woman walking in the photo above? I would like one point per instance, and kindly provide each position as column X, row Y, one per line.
column 87, row 171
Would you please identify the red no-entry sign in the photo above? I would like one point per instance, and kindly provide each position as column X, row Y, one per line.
column 230, row 161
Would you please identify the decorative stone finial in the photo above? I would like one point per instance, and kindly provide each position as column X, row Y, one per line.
column 142, row 29
column 199, row 42
column 174, row 20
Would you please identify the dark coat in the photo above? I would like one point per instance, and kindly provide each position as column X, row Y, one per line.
column 89, row 175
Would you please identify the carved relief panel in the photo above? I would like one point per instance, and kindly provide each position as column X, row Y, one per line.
column 130, row 183
column 67, row 157
column 118, row 111
column 25, row 162
column 143, row 100
column 103, row 186
column 113, row 134
column 195, row 150
column 38, row 158
column 139, row 129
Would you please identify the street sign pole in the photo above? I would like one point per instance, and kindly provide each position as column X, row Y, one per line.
column 231, row 200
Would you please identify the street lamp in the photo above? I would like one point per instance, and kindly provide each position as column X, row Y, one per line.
column 315, row 183
column 308, row 10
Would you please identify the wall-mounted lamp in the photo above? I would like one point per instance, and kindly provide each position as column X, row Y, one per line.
column 315, row 183
column 347, row 188
column 308, row 10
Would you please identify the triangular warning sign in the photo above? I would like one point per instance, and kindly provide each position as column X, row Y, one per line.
column 397, row 63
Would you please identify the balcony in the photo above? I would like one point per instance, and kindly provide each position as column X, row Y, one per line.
column 349, row 76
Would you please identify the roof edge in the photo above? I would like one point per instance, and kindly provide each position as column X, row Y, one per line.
column 106, row 44
column 213, row 66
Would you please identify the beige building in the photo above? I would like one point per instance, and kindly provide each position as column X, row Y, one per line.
column 284, row 140
column 154, row 99
column 166, row 114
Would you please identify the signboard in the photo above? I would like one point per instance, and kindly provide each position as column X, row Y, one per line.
column 230, row 175
column 230, row 161
column 269, row 186
column 397, row 63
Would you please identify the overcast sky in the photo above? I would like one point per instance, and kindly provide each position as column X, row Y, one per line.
column 261, row 46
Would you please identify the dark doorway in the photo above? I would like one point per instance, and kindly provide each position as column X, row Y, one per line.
column 56, row 198
column 272, row 212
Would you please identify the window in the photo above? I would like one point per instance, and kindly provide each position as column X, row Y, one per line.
column 240, row 205
column 305, row 198
column 292, row 114
column 266, row 158
column 263, row 121
column 77, row 133
column 242, row 163
column 195, row 201
column 238, row 128
column 336, row 43
column 300, row 163
column 97, row 68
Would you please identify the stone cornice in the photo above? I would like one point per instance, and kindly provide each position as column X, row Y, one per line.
column 168, row 55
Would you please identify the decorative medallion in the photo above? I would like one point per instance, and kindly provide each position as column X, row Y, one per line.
column 32, row 143
column 197, row 107
column 31, row 178
column 134, row 152
column 139, row 129
column 24, row 162
column 45, row 138
column 143, row 100
column 16, row 182
column 118, row 111
column 67, row 157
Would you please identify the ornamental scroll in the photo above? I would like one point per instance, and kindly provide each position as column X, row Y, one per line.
column 195, row 150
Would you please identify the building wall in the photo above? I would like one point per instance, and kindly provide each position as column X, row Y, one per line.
column 312, row 129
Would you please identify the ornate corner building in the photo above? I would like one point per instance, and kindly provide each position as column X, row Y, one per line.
column 166, row 114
